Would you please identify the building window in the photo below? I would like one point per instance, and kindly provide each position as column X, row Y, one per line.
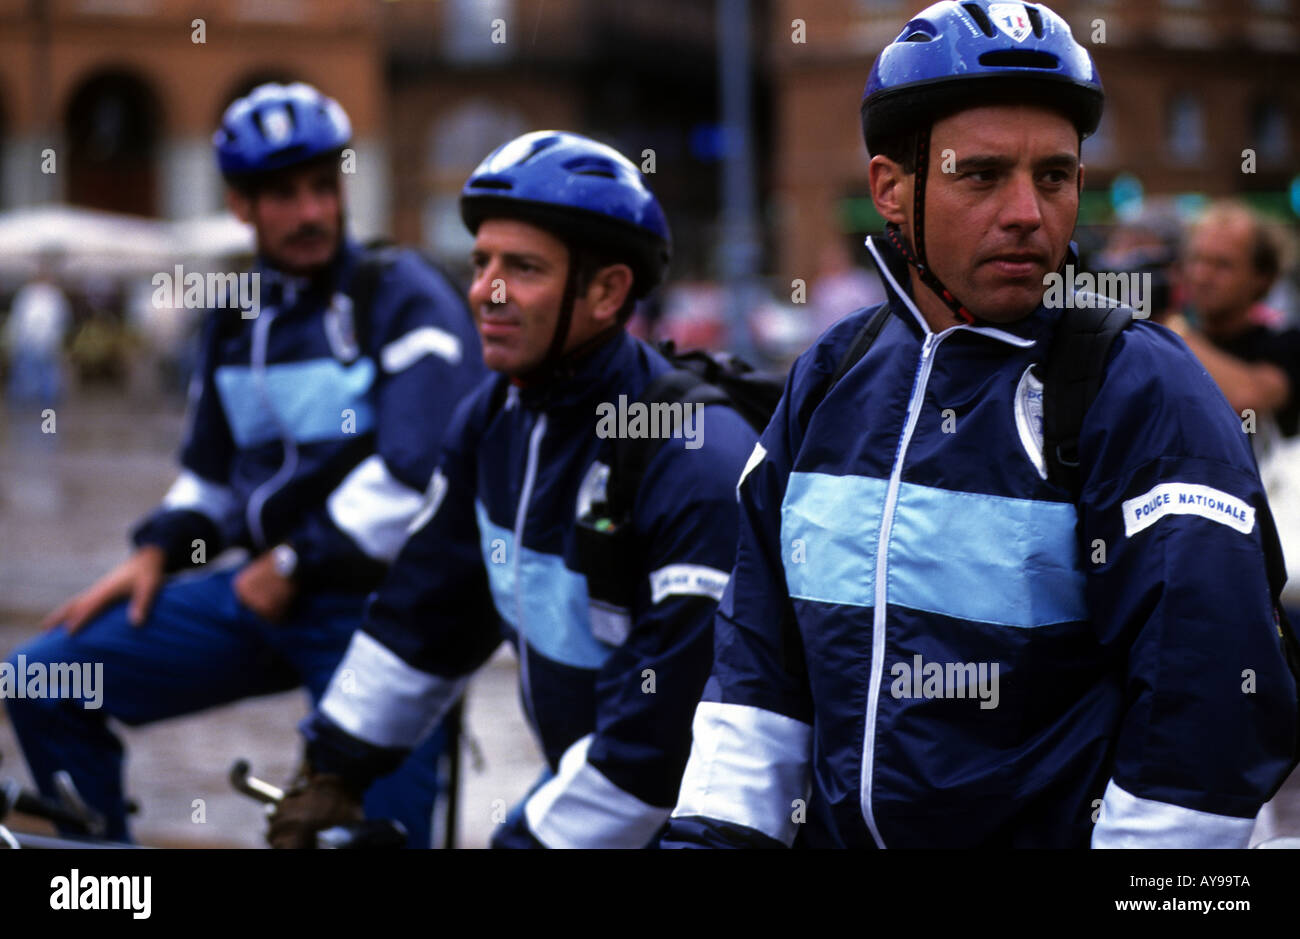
column 1269, row 132
column 457, row 143
column 1185, row 129
column 1099, row 149
column 473, row 30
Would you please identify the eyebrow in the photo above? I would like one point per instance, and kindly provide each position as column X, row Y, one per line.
column 511, row 257
column 980, row 162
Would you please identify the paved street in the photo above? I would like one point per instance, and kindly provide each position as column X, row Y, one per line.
column 66, row 502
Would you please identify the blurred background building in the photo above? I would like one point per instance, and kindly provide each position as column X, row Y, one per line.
column 126, row 94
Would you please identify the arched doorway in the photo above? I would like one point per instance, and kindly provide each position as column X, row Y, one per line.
column 113, row 125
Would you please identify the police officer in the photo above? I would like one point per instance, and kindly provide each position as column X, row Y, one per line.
column 312, row 431
column 568, row 237
column 930, row 640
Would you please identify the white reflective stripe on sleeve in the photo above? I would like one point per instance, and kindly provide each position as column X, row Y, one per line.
column 1128, row 821
column 580, row 808
column 687, row 580
column 755, row 457
column 374, row 508
column 193, row 492
column 747, row 767
column 377, row 697
column 432, row 501
column 402, row 353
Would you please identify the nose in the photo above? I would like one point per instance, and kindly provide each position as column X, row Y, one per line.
column 480, row 289
column 312, row 206
column 1020, row 206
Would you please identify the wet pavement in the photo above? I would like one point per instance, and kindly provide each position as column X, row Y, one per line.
column 67, row 500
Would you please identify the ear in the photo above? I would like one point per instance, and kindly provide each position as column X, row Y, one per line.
column 240, row 204
column 607, row 292
column 889, row 188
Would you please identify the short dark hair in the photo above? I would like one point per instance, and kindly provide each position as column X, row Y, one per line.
column 588, row 261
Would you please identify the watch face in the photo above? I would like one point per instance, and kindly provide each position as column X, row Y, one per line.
column 285, row 560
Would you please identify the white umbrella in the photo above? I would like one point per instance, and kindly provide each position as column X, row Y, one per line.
column 86, row 239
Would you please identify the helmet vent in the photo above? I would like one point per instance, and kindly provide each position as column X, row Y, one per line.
column 1035, row 19
column 980, row 17
column 1020, row 58
column 490, row 182
column 591, row 166
column 917, row 37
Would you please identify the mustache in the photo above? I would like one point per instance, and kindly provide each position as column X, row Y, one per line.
column 310, row 230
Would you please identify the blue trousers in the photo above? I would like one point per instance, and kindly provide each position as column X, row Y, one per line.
column 198, row 648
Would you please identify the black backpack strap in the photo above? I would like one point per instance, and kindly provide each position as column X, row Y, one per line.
column 364, row 285
column 1072, row 376
column 862, row 341
column 629, row 458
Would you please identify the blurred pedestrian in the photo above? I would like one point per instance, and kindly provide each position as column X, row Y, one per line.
column 1231, row 262
column 841, row 286
column 34, row 334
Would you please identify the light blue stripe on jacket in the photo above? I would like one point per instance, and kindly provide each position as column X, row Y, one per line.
column 309, row 397
column 991, row 559
column 555, row 601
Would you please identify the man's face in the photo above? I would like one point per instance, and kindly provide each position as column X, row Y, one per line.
column 519, row 277
column 1220, row 278
column 1001, row 218
column 298, row 216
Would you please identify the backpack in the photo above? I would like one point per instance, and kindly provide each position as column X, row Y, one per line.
column 377, row 257
column 606, row 550
column 607, row 553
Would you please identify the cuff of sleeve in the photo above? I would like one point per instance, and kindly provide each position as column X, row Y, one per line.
column 333, row 750
column 327, row 559
column 176, row 531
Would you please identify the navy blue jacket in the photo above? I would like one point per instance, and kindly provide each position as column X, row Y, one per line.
column 609, row 694
column 312, row 426
column 926, row 643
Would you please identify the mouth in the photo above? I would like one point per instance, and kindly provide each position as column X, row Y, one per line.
column 497, row 328
column 1016, row 264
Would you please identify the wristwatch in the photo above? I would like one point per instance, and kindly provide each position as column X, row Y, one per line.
column 285, row 560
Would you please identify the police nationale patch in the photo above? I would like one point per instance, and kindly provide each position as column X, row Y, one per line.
column 1011, row 19
column 1145, row 510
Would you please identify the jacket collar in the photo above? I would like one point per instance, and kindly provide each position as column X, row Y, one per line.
column 897, row 281
column 288, row 293
column 600, row 374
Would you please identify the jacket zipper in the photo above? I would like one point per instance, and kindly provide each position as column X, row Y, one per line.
column 882, row 580
column 521, row 516
column 258, row 500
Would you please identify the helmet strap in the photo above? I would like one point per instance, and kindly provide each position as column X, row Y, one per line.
column 557, row 364
column 917, row 258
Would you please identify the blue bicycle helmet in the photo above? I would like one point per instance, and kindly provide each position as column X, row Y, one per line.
column 952, row 56
column 588, row 194
column 277, row 126
column 957, row 55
